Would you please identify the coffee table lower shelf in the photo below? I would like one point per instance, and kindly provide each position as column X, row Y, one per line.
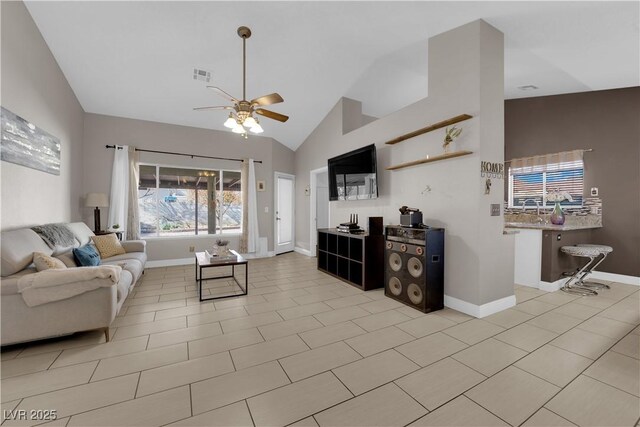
column 203, row 262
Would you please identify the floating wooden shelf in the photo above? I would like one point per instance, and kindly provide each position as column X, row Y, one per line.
column 431, row 159
column 444, row 123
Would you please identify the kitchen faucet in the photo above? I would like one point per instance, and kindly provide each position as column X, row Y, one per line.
column 537, row 205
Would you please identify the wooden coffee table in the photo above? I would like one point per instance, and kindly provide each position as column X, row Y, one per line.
column 203, row 262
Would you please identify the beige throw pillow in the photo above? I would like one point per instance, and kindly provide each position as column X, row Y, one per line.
column 45, row 262
column 108, row 245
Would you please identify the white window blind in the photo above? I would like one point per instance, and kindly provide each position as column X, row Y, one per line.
column 535, row 177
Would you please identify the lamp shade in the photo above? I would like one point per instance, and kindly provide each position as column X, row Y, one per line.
column 97, row 200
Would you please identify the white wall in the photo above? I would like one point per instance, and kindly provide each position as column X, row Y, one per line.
column 465, row 76
column 100, row 130
column 34, row 88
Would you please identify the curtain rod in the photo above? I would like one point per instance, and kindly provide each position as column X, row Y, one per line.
column 549, row 154
column 184, row 154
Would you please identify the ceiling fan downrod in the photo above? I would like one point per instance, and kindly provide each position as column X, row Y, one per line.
column 244, row 33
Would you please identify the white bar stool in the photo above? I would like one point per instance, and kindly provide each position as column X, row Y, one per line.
column 573, row 284
column 604, row 251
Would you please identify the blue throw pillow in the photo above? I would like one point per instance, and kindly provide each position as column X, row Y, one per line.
column 86, row 256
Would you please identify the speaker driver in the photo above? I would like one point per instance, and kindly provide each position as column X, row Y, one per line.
column 395, row 262
column 395, row 287
column 389, row 245
column 415, row 294
column 415, row 267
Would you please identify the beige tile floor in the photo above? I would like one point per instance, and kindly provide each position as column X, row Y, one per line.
column 306, row 349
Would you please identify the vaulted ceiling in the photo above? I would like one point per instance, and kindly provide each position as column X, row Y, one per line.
column 136, row 59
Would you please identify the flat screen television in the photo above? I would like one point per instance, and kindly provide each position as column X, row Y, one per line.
column 352, row 176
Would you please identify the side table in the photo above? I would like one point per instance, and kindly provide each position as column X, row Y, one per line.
column 103, row 232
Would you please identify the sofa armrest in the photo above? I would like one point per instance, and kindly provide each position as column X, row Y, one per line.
column 134, row 246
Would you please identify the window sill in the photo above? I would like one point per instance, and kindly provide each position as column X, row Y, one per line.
column 193, row 236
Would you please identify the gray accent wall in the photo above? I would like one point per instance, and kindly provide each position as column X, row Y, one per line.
column 34, row 88
column 465, row 76
column 607, row 121
column 101, row 130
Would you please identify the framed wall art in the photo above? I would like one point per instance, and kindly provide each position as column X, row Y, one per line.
column 25, row 144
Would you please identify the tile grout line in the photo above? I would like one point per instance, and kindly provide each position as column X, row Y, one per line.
column 578, row 376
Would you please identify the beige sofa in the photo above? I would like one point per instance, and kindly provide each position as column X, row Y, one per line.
column 95, row 309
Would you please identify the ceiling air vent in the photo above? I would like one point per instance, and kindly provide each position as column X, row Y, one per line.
column 528, row 87
column 202, row 75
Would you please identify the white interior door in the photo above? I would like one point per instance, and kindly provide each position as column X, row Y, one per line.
column 319, row 206
column 322, row 207
column 284, row 225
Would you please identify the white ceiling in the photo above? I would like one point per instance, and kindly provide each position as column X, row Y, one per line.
column 135, row 59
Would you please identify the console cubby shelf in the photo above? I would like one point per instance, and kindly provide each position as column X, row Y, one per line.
column 356, row 259
column 444, row 156
column 439, row 125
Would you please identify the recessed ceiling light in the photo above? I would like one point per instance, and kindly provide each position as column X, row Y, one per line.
column 202, row 75
column 528, row 87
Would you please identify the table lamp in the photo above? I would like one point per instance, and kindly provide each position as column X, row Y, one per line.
column 97, row 201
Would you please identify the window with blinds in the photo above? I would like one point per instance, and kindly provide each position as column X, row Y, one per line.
column 536, row 181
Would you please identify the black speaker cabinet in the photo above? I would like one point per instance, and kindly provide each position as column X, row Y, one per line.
column 375, row 226
column 414, row 272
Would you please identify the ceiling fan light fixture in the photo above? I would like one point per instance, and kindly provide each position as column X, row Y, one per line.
column 231, row 122
column 241, row 119
column 257, row 128
column 238, row 128
column 249, row 122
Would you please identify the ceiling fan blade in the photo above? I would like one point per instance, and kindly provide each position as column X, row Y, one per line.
column 272, row 98
column 272, row 115
column 217, row 107
column 223, row 93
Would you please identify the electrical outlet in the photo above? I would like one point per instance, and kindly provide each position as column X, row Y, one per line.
column 594, row 191
column 192, row 248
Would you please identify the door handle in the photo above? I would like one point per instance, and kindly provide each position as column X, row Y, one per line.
column 277, row 219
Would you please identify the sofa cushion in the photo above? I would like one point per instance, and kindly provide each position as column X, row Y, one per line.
column 82, row 232
column 45, row 262
column 108, row 245
column 9, row 285
column 131, row 265
column 18, row 247
column 134, row 245
column 124, row 284
column 68, row 259
column 86, row 256
column 139, row 256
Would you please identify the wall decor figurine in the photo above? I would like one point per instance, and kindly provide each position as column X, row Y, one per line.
column 450, row 134
column 25, row 144
column 487, row 186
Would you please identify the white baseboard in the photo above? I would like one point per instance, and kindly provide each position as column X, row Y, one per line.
column 170, row 262
column 551, row 287
column 480, row 311
column 187, row 261
column 269, row 254
column 620, row 278
column 302, row 251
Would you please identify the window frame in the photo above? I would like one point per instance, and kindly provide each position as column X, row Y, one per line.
column 157, row 195
column 543, row 205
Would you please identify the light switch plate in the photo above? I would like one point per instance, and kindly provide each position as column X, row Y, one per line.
column 266, row 209
column 495, row 209
column 594, row 191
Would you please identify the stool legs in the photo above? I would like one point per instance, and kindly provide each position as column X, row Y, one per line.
column 589, row 283
column 578, row 289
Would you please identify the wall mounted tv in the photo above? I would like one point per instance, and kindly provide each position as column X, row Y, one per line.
column 352, row 176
